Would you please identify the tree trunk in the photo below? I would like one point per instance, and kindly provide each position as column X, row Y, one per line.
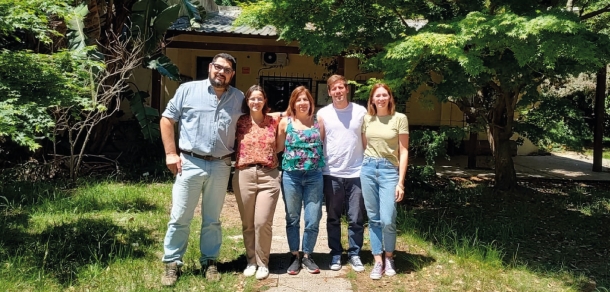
column 600, row 114
column 499, row 131
column 473, row 143
column 506, row 176
column 472, row 150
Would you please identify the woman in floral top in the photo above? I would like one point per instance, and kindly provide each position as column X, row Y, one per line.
column 300, row 135
column 256, row 180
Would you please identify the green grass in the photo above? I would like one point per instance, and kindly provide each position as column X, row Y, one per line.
column 103, row 236
column 107, row 236
column 605, row 153
column 542, row 237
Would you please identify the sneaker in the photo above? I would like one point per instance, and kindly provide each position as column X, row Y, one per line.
column 310, row 265
column 172, row 271
column 356, row 264
column 262, row 273
column 295, row 265
column 335, row 262
column 377, row 271
column 390, row 269
column 250, row 270
column 211, row 271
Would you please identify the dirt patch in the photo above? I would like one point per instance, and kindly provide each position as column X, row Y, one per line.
column 230, row 212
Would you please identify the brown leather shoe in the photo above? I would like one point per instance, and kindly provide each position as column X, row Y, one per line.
column 172, row 271
column 211, row 271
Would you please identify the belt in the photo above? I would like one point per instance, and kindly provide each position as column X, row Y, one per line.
column 204, row 157
column 257, row 165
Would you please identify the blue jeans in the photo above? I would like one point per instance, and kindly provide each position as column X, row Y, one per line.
column 302, row 187
column 199, row 177
column 344, row 195
column 379, row 178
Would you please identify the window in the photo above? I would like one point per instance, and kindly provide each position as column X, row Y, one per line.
column 278, row 90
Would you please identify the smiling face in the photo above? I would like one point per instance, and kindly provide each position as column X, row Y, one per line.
column 300, row 101
column 221, row 73
column 338, row 92
column 381, row 98
column 256, row 101
column 302, row 104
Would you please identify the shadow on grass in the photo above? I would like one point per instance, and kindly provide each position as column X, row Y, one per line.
column 62, row 250
column 404, row 262
column 542, row 225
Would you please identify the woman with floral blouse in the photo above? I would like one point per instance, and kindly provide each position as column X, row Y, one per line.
column 256, row 179
column 300, row 136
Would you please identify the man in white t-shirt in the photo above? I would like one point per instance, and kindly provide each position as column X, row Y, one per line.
column 344, row 152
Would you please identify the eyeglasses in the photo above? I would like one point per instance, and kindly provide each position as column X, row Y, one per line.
column 221, row 68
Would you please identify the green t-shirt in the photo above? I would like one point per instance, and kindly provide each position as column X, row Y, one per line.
column 382, row 135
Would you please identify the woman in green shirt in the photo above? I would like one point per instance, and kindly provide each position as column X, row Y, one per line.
column 385, row 135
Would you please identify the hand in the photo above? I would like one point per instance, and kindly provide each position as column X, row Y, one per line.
column 174, row 163
column 400, row 193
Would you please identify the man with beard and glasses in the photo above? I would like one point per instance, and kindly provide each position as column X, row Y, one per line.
column 207, row 113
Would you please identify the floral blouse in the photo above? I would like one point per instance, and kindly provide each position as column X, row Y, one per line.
column 303, row 148
column 256, row 143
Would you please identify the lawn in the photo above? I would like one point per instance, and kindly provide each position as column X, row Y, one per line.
column 461, row 236
column 101, row 236
column 453, row 236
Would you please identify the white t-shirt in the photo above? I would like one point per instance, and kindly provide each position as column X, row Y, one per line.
column 343, row 142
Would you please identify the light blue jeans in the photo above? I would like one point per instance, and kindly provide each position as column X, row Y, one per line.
column 302, row 187
column 379, row 178
column 199, row 177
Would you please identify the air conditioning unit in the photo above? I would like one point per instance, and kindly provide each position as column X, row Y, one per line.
column 274, row 59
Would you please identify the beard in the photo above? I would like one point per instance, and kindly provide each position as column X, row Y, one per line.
column 218, row 83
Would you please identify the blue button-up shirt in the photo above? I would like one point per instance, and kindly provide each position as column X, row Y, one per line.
column 206, row 124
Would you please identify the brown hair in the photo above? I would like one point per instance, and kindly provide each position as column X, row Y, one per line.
column 290, row 111
column 372, row 109
column 244, row 105
column 332, row 79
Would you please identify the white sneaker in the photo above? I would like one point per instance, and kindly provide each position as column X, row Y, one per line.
column 262, row 273
column 390, row 269
column 250, row 270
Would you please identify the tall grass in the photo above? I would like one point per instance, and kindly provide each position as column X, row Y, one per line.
column 104, row 236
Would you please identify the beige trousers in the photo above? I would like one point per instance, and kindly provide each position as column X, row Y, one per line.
column 257, row 190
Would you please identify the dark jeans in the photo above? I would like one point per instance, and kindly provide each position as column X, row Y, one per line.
column 344, row 195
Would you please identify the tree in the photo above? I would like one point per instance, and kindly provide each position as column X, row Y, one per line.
column 593, row 13
column 33, row 77
column 495, row 53
column 64, row 69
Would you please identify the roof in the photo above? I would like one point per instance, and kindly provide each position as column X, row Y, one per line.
column 221, row 21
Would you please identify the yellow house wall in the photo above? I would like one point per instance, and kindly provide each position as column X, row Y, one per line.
column 420, row 109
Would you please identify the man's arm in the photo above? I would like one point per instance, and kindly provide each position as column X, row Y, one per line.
column 172, row 157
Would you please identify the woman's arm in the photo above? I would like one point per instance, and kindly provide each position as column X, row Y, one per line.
column 363, row 141
column 403, row 153
column 281, row 136
column 321, row 125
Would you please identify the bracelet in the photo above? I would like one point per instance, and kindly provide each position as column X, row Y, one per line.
column 400, row 187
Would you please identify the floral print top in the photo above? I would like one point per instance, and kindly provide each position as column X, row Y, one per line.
column 303, row 148
column 256, row 143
